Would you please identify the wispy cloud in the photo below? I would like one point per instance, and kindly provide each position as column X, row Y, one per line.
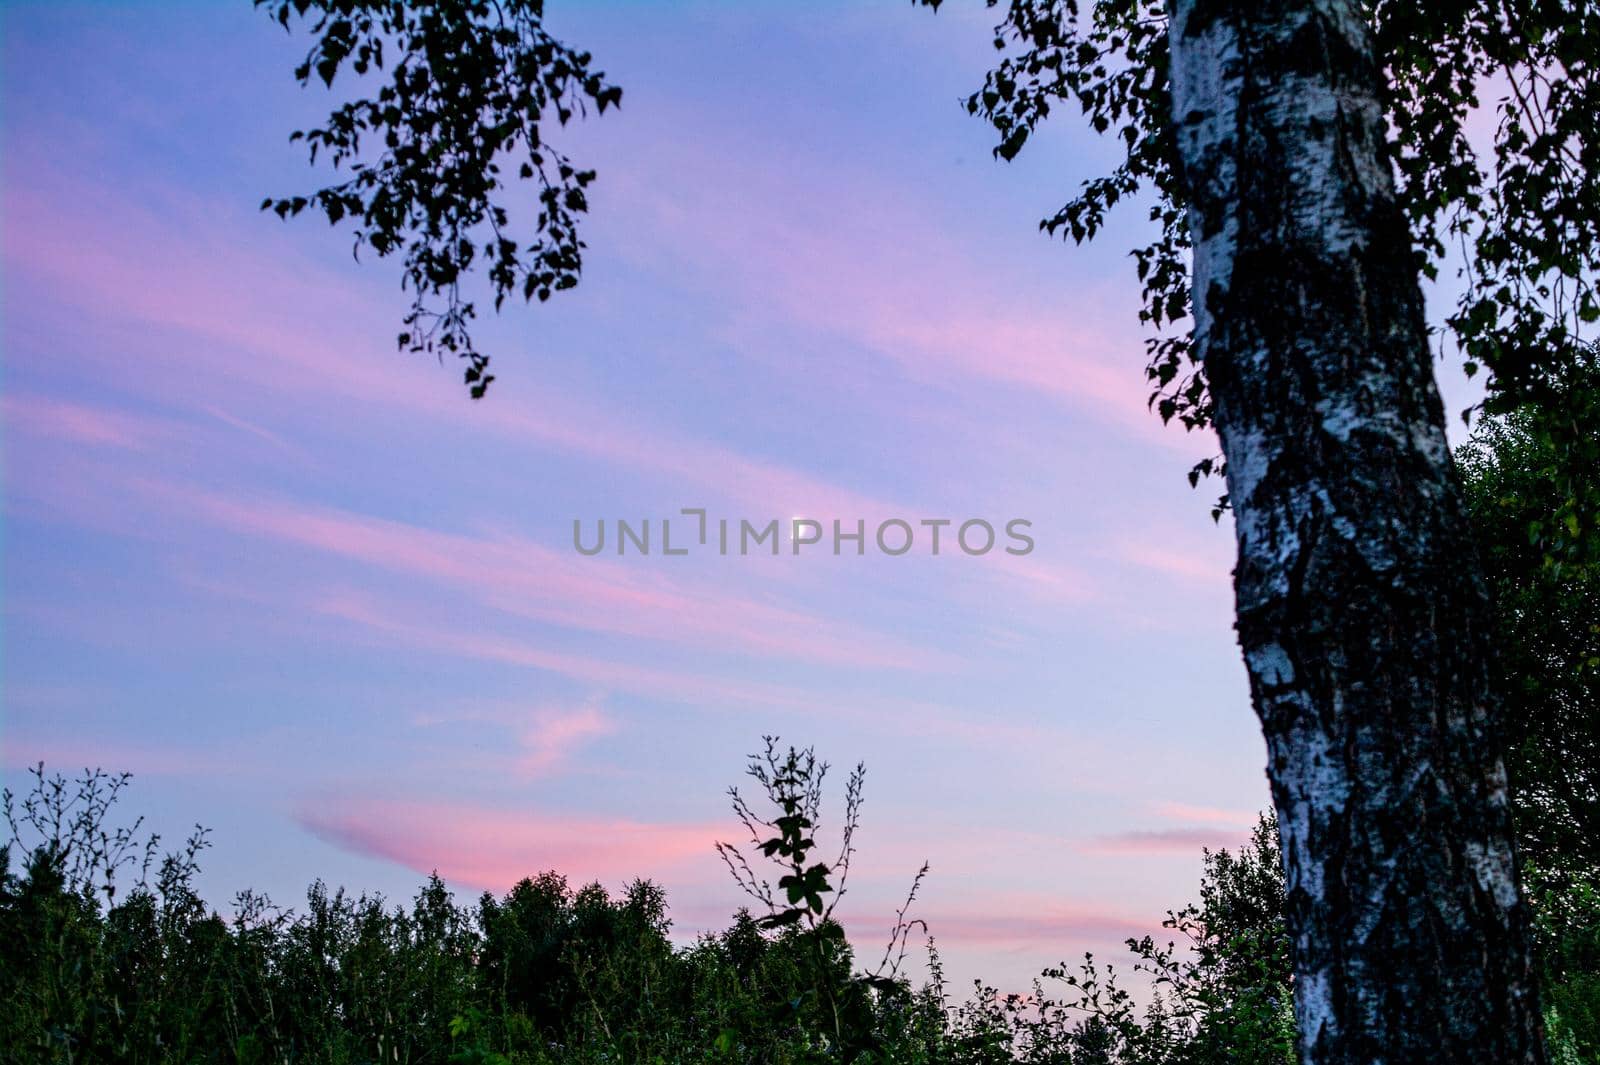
column 839, row 250
column 606, row 674
column 83, row 424
column 540, row 741
column 491, row 849
column 230, row 303
column 553, row 735
column 1211, row 815
column 1165, row 841
column 518, row 576
column 1202, row 563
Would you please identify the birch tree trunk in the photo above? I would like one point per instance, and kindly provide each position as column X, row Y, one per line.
column 1361, row 610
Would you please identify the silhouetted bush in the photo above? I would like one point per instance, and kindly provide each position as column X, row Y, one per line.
column 108, row 954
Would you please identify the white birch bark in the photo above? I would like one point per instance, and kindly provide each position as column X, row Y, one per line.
column 1361, row 612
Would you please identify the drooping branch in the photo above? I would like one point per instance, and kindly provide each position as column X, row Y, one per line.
column 470, row 90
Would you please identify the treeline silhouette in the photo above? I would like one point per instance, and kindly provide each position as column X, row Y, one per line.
column 92, row 970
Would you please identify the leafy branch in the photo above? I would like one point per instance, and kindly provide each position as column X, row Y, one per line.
column 470, row 90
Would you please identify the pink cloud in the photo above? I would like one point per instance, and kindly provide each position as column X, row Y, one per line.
column 526, row 579
column 1048, row 582
column 1165, row 841
column 837, row 249
column 702, row 690
column 81, row 424
column 252, row 429
column 232, row 301
column 605, row 674
column 492, row 849
column 391, row 624
column 542, row 740
column 1213, row 815
column 553, row 735
column 1200, row 564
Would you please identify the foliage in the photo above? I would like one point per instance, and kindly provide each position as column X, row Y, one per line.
column 842, row 1002
column 1545, row 577
column 545, row 973
column 1543, row 565
column 471, row 87
column 1223, row 997
column 1566, row 903
column 548, row 973
column 1231, row 988
column 1520, row 214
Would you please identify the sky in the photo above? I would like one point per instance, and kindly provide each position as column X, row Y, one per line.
column 314, row 597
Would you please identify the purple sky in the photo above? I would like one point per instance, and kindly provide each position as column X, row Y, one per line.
column 314, row 597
